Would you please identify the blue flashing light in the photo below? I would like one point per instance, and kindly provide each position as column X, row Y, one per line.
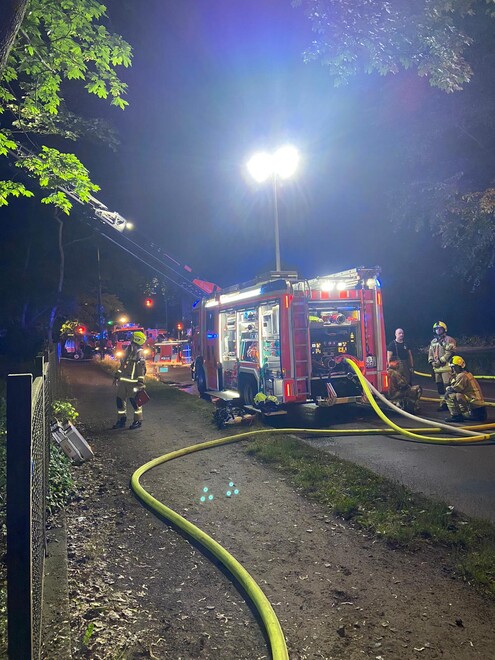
column 205, row 489
column 228, row 493
column 202, row 498
column 196, row 303
column 212, row 335
column 236, row 491
column 231, row 483
column 210, row 497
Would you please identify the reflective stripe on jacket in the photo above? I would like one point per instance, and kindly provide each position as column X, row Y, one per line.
column 465, row 383
column 132, row 366
column 441, row 349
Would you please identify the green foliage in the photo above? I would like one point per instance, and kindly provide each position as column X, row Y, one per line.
column 60, row 483
column 65, row 411
column 359, row 36
column 14, row 189
column 57, row 42
column 88, row 633
column 463, row 222
column 55, row 169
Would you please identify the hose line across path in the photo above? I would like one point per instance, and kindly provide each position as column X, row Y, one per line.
column 270, row 621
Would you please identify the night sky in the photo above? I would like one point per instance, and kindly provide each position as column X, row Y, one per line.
column 214, row 80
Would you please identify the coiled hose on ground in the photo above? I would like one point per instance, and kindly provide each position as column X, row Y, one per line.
column 273, row 628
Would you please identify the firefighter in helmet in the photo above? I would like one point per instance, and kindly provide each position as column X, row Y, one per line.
column 463, row 396
column 129, row 379
column 442, row 348
column 400, row 393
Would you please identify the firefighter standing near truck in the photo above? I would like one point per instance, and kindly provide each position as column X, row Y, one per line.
column 463, row 396
column 442, row 348
column 129, row 379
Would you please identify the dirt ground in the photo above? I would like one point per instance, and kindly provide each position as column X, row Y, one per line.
column 138, row 589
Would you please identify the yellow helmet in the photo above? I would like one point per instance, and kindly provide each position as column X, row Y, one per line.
column 457, row 361
column 439, row 324
column 138, row 338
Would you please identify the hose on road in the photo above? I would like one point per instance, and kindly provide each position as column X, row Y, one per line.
column 261, row 603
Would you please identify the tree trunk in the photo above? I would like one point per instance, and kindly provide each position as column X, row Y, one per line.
column 11, row 16
column 61, row 273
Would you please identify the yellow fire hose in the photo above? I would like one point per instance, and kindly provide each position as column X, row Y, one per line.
column 421, row 373
column 273, row 628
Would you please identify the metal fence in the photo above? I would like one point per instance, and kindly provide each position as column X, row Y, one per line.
column 29, row 399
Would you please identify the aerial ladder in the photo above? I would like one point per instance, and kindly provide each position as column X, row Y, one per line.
column 112, row 225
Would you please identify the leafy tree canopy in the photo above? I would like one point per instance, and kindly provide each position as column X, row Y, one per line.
column 58, row 41
column 445, row 153
column 384, row 36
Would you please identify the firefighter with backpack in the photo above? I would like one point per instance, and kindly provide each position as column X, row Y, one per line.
column 129, row 379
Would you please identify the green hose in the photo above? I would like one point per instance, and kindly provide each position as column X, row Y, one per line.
column 272, row 626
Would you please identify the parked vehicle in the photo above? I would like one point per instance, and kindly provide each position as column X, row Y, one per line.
column 287, row 337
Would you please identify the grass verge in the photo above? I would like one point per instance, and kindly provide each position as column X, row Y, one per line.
column 384, row 508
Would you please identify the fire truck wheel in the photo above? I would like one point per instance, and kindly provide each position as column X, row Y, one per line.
column 248, row 390
column 201, row 380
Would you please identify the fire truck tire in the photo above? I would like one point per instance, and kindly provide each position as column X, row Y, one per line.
column 248, row 390
column 200, row 380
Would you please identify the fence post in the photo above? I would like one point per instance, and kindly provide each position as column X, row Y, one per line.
column 19, row 530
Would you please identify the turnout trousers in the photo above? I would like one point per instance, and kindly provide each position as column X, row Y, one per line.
column 125, row 390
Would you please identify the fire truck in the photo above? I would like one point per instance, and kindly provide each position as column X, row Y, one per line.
column 122, row 337
column 280, row 334
column 288, row 337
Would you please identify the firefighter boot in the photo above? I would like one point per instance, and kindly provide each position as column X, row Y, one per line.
column 136, row 424
column 120, row 423
column 441, row 391
column 455, row 418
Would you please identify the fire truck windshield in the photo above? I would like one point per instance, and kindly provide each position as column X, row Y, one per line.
column 123, row 335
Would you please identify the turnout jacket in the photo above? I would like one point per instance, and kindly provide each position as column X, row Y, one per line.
column 132, row 366
column 441, row 350
column 465, row 383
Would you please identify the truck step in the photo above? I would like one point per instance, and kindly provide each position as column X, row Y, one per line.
column 225, row 395
column 265, row 414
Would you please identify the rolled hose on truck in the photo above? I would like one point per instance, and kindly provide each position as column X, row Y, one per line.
column 272, row 625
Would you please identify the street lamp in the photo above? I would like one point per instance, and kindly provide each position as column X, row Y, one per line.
column 282, row 164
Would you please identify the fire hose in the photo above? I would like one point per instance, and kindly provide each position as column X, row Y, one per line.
column 270, row 621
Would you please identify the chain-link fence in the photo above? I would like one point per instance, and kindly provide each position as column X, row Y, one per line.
column 29, row 401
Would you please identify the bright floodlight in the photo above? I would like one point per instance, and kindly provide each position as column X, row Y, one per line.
column 260, row 166
column 283, row 163
column 286, row 160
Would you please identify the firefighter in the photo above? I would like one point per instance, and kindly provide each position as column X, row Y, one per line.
column 400, row 393
column 442, row 348
column 464, row 397
column 129, row 380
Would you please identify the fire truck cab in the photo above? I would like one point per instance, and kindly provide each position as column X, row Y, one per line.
column 288, row 337
column 122, row 337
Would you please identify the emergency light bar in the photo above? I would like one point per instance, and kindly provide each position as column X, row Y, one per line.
column 233, row 297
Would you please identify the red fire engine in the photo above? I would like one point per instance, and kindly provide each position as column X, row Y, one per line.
column 122, row 336
column 288, row 337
